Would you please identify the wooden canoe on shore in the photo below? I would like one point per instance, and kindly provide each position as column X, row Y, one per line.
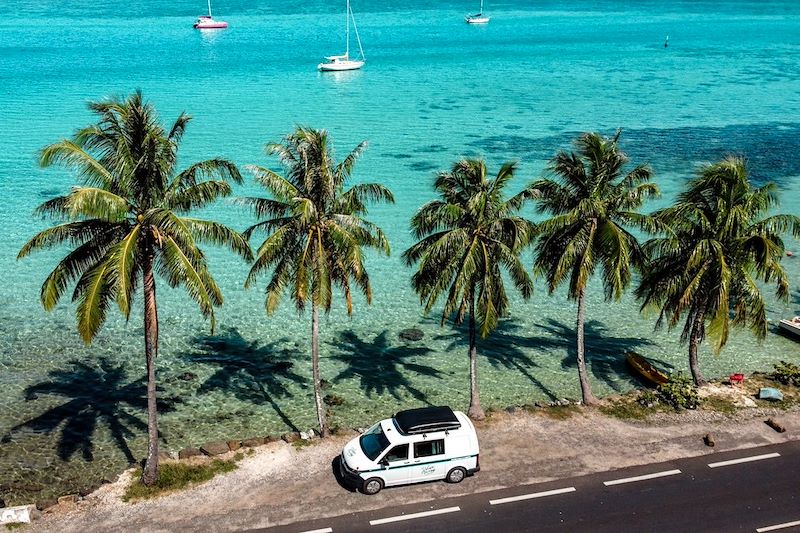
column 647, row 371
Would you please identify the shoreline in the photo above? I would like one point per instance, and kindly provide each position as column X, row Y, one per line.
column 189, row 424
column 533, row 437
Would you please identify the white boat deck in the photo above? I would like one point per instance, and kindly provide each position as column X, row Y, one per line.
column 792, row 326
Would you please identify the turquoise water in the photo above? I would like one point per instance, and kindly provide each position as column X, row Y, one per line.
column 433, row 89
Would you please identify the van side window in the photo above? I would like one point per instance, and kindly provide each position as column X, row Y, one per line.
column 429, row 448
column 398, row 453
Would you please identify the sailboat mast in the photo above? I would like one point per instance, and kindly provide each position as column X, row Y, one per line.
column 480, row 11
column 358, row 39
column 209, row 8
column 347, row 33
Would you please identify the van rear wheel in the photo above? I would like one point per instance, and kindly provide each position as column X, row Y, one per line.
column 456, row 475
column 372, row 486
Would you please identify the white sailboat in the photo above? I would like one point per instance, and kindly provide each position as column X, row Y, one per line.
column 207, row 22
column 477, row 18
column 343, row 62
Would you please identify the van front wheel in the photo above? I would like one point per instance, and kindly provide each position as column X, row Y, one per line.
column 372, row 486
column 456, row 475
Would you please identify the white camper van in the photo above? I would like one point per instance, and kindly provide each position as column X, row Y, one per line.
column 413, row 446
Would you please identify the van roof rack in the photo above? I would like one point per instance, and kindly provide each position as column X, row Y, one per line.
column 426, row 419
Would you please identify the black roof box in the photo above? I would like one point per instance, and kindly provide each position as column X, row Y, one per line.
column 425, row 420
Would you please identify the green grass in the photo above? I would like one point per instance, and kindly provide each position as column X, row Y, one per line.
column 627, row 410
column 299, row 444
column 560, row 412
column 176, row 476
column 10, row 527
column 720, row 405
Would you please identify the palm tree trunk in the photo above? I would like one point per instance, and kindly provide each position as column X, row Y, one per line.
column 475, row 411
column 586, row 389
column 323, row 424
column 695, row 338
column 150, row 470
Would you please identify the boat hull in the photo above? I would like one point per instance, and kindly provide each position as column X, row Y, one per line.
column 211, row 25
column 206, row 22
column 340, row 66
column 791, row 326
column 644, row 369
column 477, row 20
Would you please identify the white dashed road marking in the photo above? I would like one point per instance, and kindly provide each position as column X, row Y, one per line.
column 531, row 496
column 778, row 526
column 323, row 530
column 744, row 460
column 641, row 478
column 412, row 516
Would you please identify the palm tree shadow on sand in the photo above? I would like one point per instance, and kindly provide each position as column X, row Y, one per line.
column 94, row 395
column 504, row 350
column 252, row 372
column 605, row 353
column 381, row 367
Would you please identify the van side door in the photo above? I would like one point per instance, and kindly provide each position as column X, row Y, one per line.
column 429, row 461
column 395, row 465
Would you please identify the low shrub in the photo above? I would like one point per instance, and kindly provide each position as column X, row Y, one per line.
column 648, row 399
column 176, row 476
column 787, row 373
column 680, row 392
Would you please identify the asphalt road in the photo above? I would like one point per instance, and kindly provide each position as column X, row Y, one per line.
column 759, row 494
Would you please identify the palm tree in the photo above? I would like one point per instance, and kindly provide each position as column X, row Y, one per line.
column 315, row 232
column 125, row 223
column 466, row 239
column 717, row 249
column 592, row 203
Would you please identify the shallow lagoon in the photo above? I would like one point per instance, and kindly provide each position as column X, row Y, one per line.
column 433, row 89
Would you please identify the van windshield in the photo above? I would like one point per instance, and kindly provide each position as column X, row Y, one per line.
column 373, row 442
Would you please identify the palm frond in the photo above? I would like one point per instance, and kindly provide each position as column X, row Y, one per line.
column 94, row 292
column 71, row 155
column 210, row 232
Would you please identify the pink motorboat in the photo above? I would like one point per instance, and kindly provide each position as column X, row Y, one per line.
column 207, row 22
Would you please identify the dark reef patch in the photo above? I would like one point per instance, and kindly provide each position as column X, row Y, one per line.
column 423, row 166
column 767, row 147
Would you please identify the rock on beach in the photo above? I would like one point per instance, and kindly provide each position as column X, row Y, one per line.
column 217, row 447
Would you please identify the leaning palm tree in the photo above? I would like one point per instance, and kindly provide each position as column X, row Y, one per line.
column 126, row 222
column 316, row 232
column 593, row 203
column 707, row 267
column 466, row 239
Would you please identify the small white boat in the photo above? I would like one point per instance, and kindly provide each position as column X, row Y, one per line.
column 207, row 22
column 343, row 62
column 477, row 18
column 792, row 326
